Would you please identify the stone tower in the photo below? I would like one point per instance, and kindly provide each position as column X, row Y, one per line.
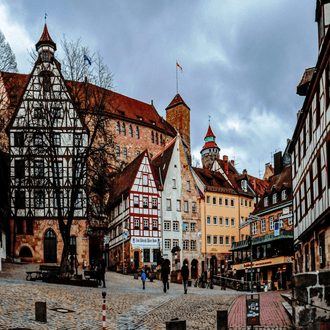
column 210, row 151
column 178, row 115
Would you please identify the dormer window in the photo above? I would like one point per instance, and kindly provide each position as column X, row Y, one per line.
column 244, row 185
column 266, row 201
column 283, row 195
column 274, row 198
column 45, row 56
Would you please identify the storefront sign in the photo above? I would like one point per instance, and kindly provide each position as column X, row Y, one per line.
column 148, row 242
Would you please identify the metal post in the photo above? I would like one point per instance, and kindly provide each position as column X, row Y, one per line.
column 251, row 260
column 123, row 253
column 104, row 310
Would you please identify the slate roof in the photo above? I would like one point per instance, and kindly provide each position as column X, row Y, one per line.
column 176, row 101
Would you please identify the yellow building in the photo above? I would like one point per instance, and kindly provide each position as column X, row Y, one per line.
column 227, row 202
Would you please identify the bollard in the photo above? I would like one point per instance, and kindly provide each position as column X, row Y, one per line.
column 222, row 320
column 41, row 315
column 175, row 324
column 103, row 310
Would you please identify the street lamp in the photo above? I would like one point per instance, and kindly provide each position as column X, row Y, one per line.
column 125, row 230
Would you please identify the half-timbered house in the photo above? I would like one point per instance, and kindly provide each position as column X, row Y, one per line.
column 135, row 222
column 310, row 152
column 46, row 136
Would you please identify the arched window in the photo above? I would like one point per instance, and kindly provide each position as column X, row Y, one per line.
column 118, row 128
column 130, row 131
column 123, row 130
column 161, row 139
column 137, row 134
column 152, row 137
column 156, row 138
column 73, row 245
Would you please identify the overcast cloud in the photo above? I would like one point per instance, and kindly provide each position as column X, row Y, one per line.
column 241, row 60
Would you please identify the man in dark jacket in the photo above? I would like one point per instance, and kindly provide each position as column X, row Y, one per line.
column 101, row 271
column 185, row 276
column 165, row 275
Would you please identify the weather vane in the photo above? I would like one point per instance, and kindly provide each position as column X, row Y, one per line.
column 45, row 17
column 209, row 120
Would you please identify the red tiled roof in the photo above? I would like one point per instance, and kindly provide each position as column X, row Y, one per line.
column 45, row 38
column 259, row 186
column 210, row 144
column 176, row 101
column 305, row 80
column 209, row 132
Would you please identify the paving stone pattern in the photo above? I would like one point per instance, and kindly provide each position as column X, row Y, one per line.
column 128, row 306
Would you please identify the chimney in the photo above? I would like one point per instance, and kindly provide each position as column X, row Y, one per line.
column 278, row 163
column 225, row 164
column 232, row 162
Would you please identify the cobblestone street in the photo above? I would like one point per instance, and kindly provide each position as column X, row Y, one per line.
column 128, row 306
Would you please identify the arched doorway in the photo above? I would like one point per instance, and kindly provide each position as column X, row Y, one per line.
column 136, row 259
column 213, row 266
column 50, row 250
column 25, row 252
column 194, row 269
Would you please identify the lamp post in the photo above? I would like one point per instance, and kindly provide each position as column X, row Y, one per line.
column 125, row 230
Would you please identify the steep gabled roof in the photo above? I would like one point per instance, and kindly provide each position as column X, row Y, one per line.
column 209, row 132
column 177, row 100
column 45, row 39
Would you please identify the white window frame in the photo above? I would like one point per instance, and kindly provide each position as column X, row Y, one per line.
column 263, row 225
column 232, row 222
column 167, row 225
column 254, row 228
column 215, row 240
column 227, row 222
column 192, row 226
column 266, row 201
column 167, row 244
column 208, row 220
column 227, row 240
column 221, row 240
column 215, row 221
column 220, row 201
column 271, row 223
column 175, row 225
column 208, row 239
column 232, row 203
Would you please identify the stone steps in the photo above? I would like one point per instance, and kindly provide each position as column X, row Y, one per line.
column 287, row 304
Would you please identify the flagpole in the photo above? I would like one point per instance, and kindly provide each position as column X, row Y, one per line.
column 177, row 85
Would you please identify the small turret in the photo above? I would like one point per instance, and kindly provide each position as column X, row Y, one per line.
column 210, row 150
column 46, row 47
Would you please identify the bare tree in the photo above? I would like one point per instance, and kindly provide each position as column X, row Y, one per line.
column 195, row 162
column 7, row 57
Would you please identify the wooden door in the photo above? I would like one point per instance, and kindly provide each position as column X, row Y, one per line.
column 50, row 249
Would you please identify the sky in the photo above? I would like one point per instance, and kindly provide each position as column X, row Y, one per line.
column 242, row 60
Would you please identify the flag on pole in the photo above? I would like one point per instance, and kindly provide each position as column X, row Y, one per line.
column 178, row 66
column 87, row 59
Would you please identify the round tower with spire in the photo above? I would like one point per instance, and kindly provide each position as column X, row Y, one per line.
column 210, row 151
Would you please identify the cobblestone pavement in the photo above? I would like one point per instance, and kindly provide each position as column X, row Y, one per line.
column 128, row 306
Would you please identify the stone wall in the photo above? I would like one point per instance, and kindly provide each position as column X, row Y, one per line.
column 311, row 300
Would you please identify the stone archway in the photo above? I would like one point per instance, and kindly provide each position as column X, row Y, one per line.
column 50, row 247
column 194, row 269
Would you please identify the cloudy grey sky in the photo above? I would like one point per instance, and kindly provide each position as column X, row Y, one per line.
column 241, row 60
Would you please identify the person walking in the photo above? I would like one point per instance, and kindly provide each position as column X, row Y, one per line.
column 101, row 271
column 76, row 264
column 185, row 276
column 143, row 278
column 165, row 276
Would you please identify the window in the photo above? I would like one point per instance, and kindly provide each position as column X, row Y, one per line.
column 39, row 169
column 29, row 227
column 193, row 226
column 167, row 225
column 175, row 226
column 154, row 203
column 208, row 220
column 39, row 199
column 173, row 183
column 58, row 113
column 185, row 245
column 38, row 140
column 145, row 202
column 322, row 250
column 125, row 152
column 220, row 221
column 130, row 131
column 146, row 255
column 77, row 140
column 188, row 185
column 281, row 223
column 306, row 258
column 167, row 244
column 246, row 203
column 220, row 201
column 168, row 205
column 254, row 228
column 274, row 198
column 136, row 201
column 193, row 207
column 123, row 129
column 242, row 220
column 215, row 221
column 192, row 245
column 214, row 201
column 266, row 201
column 232, row 203
column 244, row 185
column 263, row 225
column 208, row 240
column 19, row 139
column 208, row 200
column 227, row 240
column 161, row 139
column 137, row 134
column 242, row 237
column 175, row 243
column 233, row 222
column 61, row 197
column 152, row 137
column 145, row 224
column 227, row 222
column 20, row 199
column 242, row 202
column 271, row 223
column 178, row 205
column 38, row 113
column 154, row 224
column 250, row 204
column 79, row 200
column 157, row 142
column 186, row 206
column 215, row 240
column 145, row 179
column 319, row 175
column 221, row 240
column 136, row 223
column 317, row 115
column 226, row 201
column 185, row 226
column 117, row 151
column 58, row 169
column 118, row 128
column 19, row 169
column 290, row 221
